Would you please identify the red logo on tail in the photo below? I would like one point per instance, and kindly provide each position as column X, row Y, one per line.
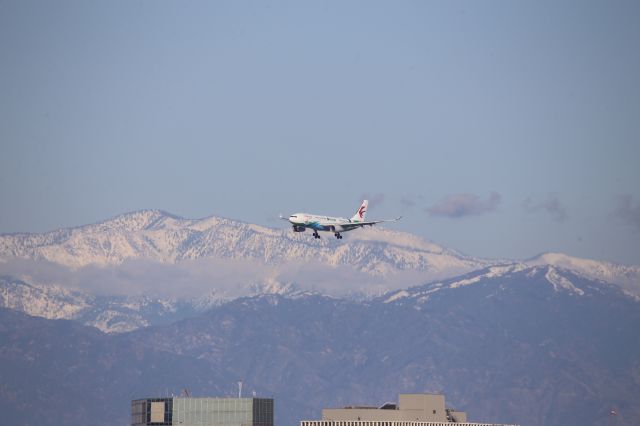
column 361, row 211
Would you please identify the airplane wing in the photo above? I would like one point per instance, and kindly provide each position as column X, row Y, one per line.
column 353, row 225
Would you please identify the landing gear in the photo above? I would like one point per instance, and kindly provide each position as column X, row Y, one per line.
column 315, row 234
column 338, row 236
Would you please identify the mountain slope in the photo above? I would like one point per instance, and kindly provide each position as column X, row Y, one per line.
column 111, row 314
column 628, row 277
column 58, row 372
column 518, row 344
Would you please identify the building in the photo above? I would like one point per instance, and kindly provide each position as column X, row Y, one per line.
column 202, row 411
column 411, row 410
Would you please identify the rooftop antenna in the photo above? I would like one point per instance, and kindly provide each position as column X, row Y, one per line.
column 612, row 417
column 240, row 389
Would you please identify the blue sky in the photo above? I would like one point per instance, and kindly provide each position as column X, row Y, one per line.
column 501, row 129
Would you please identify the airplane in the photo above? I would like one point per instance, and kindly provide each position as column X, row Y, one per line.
column 302, row 221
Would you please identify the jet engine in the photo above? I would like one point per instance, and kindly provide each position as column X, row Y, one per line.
column 298, row 228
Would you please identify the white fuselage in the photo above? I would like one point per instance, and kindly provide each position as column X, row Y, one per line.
column 320, row 223
column 302, row 221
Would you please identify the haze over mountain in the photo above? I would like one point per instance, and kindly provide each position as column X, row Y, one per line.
column 150, row 267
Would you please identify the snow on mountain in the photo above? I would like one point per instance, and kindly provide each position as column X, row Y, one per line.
column 166, row 238
column 158, row 236
column 210, row 261
column 626, row 276
column 116, row 314
column 111, row 314
column 560, row 279
column 204, row 262
column 50, row 301
column 555, row 267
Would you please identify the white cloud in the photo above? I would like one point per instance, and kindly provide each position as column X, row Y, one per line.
column 229, row 278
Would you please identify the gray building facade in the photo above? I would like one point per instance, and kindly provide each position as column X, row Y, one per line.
column 188, row 411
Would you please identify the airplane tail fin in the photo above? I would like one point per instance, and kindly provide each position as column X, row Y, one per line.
column 362, row 211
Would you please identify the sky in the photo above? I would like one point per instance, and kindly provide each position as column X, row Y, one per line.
column 500, row 129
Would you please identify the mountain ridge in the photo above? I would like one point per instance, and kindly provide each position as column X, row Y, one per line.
column 165, row 237
column 508, row 348
column 25, row 245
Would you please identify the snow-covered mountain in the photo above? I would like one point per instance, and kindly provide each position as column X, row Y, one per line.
column 559, row 278
column 151, row 267
column 166, row 238
column 155, row 253
column 156, row 235
column 111, row 314
column 628, row 277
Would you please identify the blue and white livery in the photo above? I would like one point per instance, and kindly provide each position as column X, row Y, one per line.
column 302, row 221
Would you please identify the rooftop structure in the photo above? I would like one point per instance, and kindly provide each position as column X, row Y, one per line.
column 202, row 411
column 411, row 410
